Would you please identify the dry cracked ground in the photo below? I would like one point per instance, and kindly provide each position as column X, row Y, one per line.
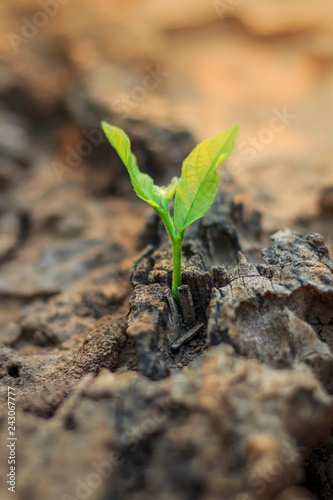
column 121, row 394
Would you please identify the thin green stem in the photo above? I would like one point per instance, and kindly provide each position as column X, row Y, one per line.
column 167, row 221
column 176, row 238
column 177, row 244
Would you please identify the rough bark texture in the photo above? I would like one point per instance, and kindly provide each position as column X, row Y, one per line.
column 124, row 395
column 278, row 311
column 226, row 427
column 214, row 239
column 121, row 394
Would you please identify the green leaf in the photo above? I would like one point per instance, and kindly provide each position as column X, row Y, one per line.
column 198, row 185
column 168, row 192
column 142, row 183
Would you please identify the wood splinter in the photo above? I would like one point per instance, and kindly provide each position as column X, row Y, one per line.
column 187, row 336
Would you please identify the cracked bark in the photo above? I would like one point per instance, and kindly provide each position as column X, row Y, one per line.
column 277, row 309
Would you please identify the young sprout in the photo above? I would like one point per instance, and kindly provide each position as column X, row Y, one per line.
column 194, row 192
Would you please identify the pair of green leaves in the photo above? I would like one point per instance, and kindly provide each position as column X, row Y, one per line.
column 196, row 189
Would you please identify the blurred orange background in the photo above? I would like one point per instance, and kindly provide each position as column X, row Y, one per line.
column 266, row 64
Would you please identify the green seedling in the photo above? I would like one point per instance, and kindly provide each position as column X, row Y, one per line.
column 193, row 193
